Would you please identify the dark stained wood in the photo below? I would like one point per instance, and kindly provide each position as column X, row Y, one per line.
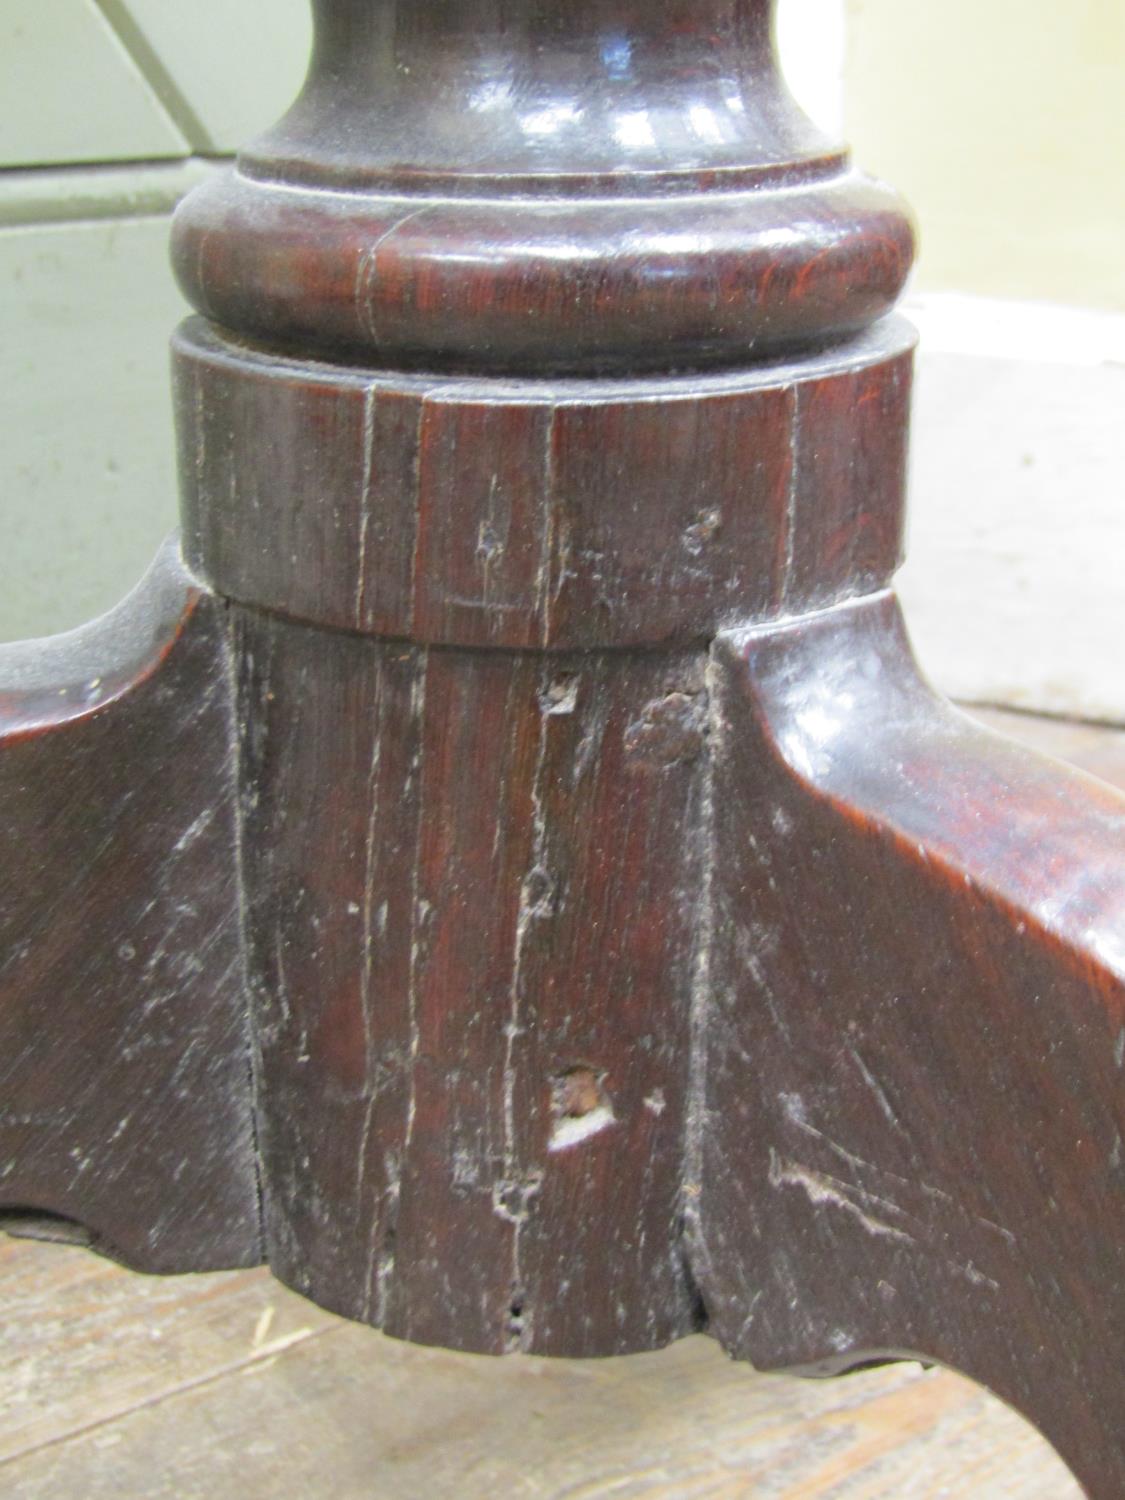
column 583, row 186
column 124, row 1098
column 452, row 911
column 543, row 514
column 597, row 287
column 845, row 535
column 530, row 94
column 915, row 1036
column 1097, row 749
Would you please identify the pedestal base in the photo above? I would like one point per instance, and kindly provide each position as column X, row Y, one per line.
column 596, row 964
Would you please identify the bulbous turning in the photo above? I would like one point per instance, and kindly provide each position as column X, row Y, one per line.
column 591, row 187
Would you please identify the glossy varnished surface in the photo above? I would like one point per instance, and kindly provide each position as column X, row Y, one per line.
column 593, row 94
column 634, row 943
column 603, row 286
column 915, row 1036
column 547, row 187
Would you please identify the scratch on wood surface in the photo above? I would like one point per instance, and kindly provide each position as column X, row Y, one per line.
column 419, row 506
column 794, row 1109
column 194, row 829
column 250, row 1028
column 971, row 1274
column 822, row 1189
column 531, row 906
column 489, row 546
column 701, row 997
column 384, row 1230
column 370, row 396
column 365, row 996
column 282, row 983
column 414, row 792
column 544, row 597
column 367, row 267
column 877, row 1091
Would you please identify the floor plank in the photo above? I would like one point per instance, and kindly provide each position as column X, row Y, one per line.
column 1098, row 749
column 83, row 1341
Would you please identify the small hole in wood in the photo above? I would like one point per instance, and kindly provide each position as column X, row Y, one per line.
column 517, row 1331
column 581, row 1106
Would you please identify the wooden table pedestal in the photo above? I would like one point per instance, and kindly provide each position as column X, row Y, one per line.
column 507, row 872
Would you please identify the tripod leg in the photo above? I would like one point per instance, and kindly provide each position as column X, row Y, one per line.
column 124, row 1083
column 910, row 1138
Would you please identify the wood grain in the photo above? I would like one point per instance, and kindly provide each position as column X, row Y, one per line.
column 425, row 1167
column 230, row 1385
column 596, row 188
column 554, row 515
column 634, row 945
column 124, row 1098
column 934, row 1161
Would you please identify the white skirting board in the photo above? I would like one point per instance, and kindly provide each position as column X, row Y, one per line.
column 1015, row 579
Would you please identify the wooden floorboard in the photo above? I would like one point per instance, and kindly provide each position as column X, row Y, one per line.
column 1095, row 748
column 213, row 1386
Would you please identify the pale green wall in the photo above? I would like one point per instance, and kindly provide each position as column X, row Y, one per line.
column 1003, row 122
column 87, row 489
column 105, row 111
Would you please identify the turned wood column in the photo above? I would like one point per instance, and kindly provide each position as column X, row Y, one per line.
column 559, row 265
column 543, row 188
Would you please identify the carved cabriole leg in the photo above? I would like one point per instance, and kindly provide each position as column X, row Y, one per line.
column 124, row 1083
column 912, row 1123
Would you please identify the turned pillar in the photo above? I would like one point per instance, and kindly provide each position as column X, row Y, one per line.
column 559, row 265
